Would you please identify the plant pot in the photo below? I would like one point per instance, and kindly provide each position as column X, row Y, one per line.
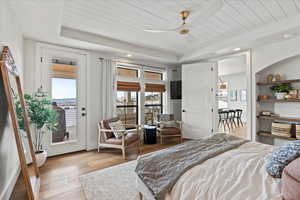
column 280, row 95
column 41, row 158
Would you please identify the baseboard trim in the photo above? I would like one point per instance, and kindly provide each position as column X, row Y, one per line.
column 6, row 193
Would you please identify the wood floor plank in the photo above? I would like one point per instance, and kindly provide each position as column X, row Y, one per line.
column 60, row 174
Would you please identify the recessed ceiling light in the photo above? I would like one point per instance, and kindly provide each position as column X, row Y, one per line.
column 236, row 49
column 129, row 55
column 287, row 35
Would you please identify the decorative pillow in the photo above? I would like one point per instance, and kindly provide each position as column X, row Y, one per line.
column 281, row 157
column 168, row 124
column 290, row 187
column 116, row 127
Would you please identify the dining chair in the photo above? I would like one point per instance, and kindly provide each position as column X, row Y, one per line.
column 239, row 113
column 223, row 119
column 231, row 118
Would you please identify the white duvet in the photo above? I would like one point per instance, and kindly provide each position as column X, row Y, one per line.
column 238, row 174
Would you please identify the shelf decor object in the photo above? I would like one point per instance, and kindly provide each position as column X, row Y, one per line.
column 288, row 119
column 11, row 89
column 280, row 91
column 268, row 134
column 281, row 129
column 278, row 82
column 278, row 100
column 298, row 131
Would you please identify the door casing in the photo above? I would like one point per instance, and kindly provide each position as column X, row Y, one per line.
column 44, row 52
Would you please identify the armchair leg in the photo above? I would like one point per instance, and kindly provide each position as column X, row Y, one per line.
column 139, row 147
column 140, row 196
column 123, row 153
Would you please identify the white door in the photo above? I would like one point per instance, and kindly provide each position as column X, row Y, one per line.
column 63, row 76
column 198, row 99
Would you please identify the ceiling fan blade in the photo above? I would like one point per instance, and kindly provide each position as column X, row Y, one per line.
column 163, row 30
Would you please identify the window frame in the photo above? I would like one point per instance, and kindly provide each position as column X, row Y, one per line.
column 143, row 81
column 154, row 72
column 136, row 106
column 159, row 105
column 128, row 68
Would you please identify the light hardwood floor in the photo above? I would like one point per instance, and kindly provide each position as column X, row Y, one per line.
column 60, row 174
column 238, row 131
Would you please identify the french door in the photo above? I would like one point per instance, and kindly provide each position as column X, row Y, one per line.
column 198, row 99
column 63, row 76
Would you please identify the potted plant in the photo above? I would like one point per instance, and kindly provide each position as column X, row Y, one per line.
column 42, row 118
column 281, row 91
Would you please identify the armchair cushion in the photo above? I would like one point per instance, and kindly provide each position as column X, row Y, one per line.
column 130, row 138
column 169, row 131
column 168, row 124
column 165, row 117
column 116, row 127
column 105, row 125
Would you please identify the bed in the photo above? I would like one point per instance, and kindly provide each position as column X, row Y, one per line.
column 233, row 175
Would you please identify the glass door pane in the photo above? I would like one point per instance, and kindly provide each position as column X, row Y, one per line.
column 64, row 101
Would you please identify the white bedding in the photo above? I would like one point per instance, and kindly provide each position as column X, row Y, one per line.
column 237, row 174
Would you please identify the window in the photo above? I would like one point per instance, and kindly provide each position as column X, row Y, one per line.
column 129, row 87
column 153, row 106
column 153, row 75
column 127, row 107
column 125, row 72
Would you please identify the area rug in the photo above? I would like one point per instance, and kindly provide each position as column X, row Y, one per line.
column 114, row 183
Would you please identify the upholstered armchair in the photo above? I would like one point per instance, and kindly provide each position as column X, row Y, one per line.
column 168, row 127
column 107, row 139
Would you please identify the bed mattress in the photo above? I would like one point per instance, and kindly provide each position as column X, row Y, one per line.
column 234, row 175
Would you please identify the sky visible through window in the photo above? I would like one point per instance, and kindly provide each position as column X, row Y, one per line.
column 63, row 88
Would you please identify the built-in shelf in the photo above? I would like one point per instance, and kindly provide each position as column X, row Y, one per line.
column 278, row 100
column 278, row 82
column 289, row 119
column 268, row 134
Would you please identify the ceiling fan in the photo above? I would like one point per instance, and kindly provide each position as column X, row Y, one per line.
column 183, row 29
column 202, row 12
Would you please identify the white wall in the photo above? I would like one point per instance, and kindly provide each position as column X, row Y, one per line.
column 289, row 68
column 94, row 103
column 266, row 56
column 232, row 65
column 9, row 160
column 237, row 81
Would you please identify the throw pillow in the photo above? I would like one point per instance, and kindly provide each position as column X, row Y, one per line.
column 117, row 127
column 168, row 124
column 281, row 157
column 291, row 181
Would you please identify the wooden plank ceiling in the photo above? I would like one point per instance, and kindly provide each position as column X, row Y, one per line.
column 126, row 19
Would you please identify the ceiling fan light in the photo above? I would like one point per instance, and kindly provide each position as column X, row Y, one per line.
column 184, row 31
column 184, row 14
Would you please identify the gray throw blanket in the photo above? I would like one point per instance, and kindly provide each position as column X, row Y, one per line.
column 160, row 170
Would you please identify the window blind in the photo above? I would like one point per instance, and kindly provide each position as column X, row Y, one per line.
column 128, row 86
column 149, row 87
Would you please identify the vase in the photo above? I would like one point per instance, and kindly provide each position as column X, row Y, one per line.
column 41, row 158
column 280, row 95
